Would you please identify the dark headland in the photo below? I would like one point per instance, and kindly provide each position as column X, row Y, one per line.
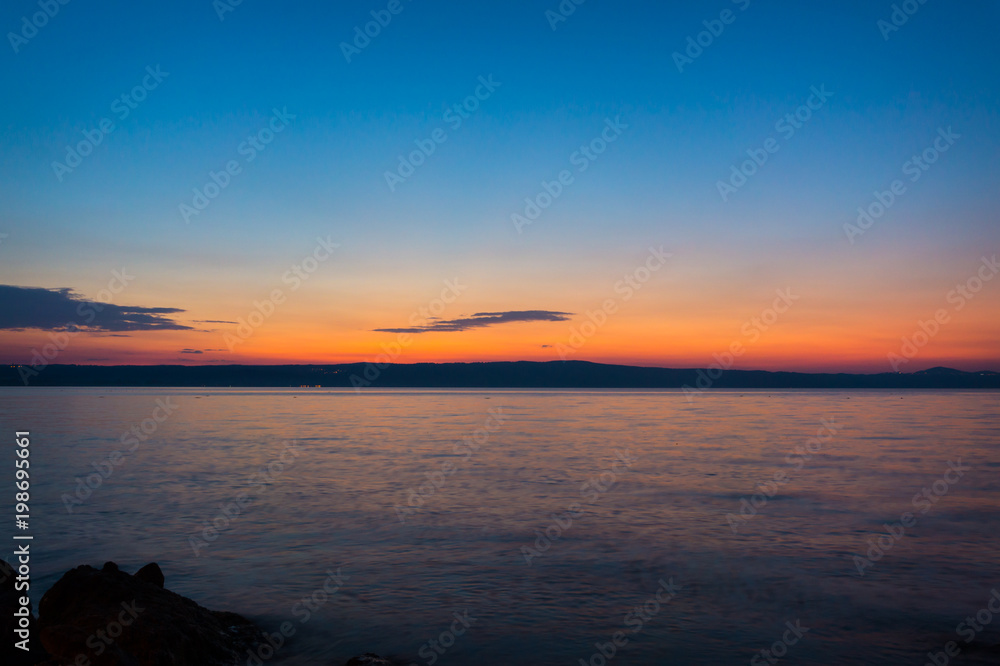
column 518, row 374
column 107, row 617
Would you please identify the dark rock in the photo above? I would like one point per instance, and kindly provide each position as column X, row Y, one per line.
column 369, row 659
column 114, row 619
column 9, row 604
column 151, row 574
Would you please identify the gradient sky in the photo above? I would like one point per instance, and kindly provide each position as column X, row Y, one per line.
column 323, row 176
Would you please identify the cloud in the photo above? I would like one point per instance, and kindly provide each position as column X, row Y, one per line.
column 481, row 319
column 192, row 351
column 61, row 309
column 214, row 321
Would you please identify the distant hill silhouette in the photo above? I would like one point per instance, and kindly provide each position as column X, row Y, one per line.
column 938, row 371
column 517, row 374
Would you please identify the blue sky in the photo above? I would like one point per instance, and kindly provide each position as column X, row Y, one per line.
column 325, row 173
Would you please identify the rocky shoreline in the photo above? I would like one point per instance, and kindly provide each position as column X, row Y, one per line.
column 107, row 617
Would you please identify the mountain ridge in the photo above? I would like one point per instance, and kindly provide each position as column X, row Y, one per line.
column 482, row 374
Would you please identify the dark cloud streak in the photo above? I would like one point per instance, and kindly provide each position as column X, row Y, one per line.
column 480, row 320
column 61, row 310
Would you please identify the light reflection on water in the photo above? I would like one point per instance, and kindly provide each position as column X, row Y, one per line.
column 665, row 517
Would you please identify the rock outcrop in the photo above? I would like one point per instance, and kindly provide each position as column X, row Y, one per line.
column 369, row 659
column 112, row 618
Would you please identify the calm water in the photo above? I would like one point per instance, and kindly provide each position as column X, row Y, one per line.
column 663, row 517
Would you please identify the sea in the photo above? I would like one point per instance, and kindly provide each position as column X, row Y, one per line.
column 503, row 527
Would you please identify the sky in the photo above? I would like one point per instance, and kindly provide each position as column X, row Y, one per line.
column 204, row 182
